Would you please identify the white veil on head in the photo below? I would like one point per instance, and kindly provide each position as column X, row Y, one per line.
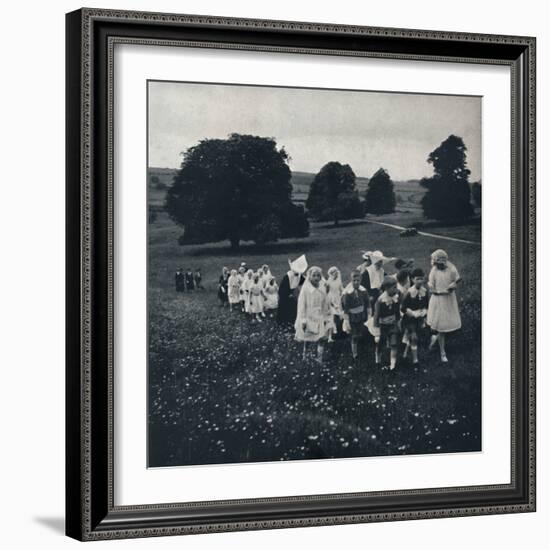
column 297, row 268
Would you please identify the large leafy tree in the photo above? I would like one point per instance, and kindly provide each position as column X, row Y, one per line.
column 332, row 194
column 476, row 193
column 448, row 195
column 380, row 196
column 236, row 189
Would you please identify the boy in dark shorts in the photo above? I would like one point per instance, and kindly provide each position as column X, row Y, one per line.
column 386, row 319
column 356, row 306
column 414, row 307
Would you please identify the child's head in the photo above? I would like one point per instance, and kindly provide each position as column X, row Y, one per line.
column 333, row 272
column 389, row 285
column 256, row 277
column 271, row 281
column 249, row 273
column 440, row 258
column 265, row 268
column 402, row 277
column 404, row 264
column 355, row 277
column 233, row 272
column 198, row 270
column 417, row 276
column 242, row 270
column 315, row 275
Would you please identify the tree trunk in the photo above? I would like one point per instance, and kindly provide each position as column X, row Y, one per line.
column 234, row 243
column 336, row 221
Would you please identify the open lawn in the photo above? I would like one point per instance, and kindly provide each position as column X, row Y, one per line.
column 225, row 389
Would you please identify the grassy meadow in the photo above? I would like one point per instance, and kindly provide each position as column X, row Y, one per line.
column 224, row 389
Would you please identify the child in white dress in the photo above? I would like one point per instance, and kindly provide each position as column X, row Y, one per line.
column 271, row 292
column 245, row 288
column 233, row 289
column 443, row 314
column 335, row 291
column 313, row 315
column 265, row 274
column 257, row 297
column 241, row 276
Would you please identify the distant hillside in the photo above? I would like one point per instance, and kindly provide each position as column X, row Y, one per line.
column 408, row 193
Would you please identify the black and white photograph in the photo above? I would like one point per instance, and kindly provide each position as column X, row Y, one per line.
column 314, row 273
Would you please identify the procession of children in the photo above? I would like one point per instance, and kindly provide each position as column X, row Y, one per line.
column 389, row 310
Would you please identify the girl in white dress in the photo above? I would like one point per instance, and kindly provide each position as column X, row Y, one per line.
column 245, row 288
column 335, row 290
column 265, row 274
column 233, row 289
column 313, row 318
column 443, row 314
column 241, row 276
column 257, row 297
column 271, row 292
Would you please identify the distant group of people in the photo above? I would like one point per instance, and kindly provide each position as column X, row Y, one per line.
column 189, row 280
column 255, row 292
column 393, row 308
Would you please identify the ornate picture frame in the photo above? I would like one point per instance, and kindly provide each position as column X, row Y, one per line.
column 91, row 334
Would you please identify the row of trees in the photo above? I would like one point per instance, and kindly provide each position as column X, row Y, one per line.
column 333, row 194
column 239, row 189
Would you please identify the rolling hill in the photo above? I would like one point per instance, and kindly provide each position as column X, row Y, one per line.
column 408, row 193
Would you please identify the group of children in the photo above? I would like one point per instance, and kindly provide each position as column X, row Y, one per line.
column 188, row 280
column 393, row 308
column 254, row 292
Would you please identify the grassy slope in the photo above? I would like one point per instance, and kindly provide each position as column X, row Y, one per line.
column 223, row 389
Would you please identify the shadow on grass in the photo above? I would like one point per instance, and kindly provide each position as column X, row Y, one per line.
column 250, row 249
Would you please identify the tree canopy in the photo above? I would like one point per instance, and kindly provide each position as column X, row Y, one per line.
column 476, row 193
column 380, row 196
column 237, row 189
column 332, row 194
column 448, row 195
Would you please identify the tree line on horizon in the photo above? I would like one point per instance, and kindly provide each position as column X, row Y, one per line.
column 239, row 189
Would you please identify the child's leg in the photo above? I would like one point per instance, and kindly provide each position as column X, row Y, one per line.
column 320, row 350
column 393, row 356
column 377, row 350
column 442, row 347
column 304, row 351
column 414, row 345
column 407, row 341
column 435, row 337
column 354, row 346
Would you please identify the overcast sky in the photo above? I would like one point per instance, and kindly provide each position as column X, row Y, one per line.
column 366, row 130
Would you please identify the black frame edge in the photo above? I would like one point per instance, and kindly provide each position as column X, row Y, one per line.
column 73, row 373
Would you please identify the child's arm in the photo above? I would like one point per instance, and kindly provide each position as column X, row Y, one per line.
column 376, row 314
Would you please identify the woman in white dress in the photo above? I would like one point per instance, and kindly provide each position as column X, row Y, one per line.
column 313, row 318
column 443, row 314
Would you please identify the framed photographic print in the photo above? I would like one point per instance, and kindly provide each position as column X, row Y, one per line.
column 300, row 274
